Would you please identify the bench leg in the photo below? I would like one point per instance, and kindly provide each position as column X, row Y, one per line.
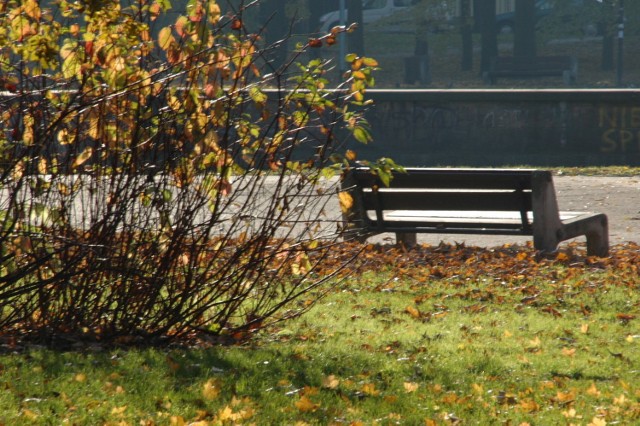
column 597, row 234
column 408, row 239
column 595, row 228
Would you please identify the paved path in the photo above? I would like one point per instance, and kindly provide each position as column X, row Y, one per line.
column 617, row 197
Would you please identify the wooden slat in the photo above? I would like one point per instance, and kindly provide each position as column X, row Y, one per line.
column 453, row 228
column 451, row 200
column 452, row 178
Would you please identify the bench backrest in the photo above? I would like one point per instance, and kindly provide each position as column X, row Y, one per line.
column 509, row 190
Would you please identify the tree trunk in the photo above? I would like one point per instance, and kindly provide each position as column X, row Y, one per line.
column 467, row 36
column 272, row 13
column 524, row 42
column 486, row 15
column 355, row 39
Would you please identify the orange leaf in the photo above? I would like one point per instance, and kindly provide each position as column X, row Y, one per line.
column 305, row 405
column 83, row 157
column 413, row 312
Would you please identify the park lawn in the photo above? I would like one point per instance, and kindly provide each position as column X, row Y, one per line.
column 435, row 335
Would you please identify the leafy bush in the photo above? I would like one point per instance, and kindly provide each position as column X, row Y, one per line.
column 153, row 186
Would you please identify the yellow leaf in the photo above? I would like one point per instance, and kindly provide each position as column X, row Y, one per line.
column 31, row 415
column 211, row 389
column 410, row 387
column 593, row 390
column 477, row 388
column 346, row 201
column 597, row 421
column 80, row 377
column 621, row 400
column 330, row 382
column 165, row 38
column 535, row 343
column 369, row 62
column 351, row 155
column 370, row 389
column 177, row 421
column 584, row 328
column 507, row 334
column 569, row 352
column 305, row 405
column 225, row 414
column 83, row 157
column 118, row 410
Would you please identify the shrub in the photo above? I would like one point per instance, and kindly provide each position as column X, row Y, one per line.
column 153, row 186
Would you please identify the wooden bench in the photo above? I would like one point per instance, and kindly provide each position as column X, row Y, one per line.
column 467, row 201
column 537, row 66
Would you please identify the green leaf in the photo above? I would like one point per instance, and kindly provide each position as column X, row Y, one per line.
column 362, row 135
column 257, row 95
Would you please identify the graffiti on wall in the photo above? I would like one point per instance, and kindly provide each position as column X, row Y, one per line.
column 548, row 130
column 620, row 127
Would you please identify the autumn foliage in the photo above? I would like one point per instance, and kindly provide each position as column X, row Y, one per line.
column 159, row 181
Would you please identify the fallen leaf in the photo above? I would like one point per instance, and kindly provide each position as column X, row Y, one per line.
column 211, row 389
column 413, row 312
column 115, row 411
column 597, row 421
column 177, row 421
column 305, row 405
column 410, row 387
column 370, row 389
column 330, row 382
column 529, row 406
column 593, row 390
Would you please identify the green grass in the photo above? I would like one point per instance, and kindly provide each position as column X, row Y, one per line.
column 556, row 344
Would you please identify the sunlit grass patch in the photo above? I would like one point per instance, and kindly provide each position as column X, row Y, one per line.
column 436, row 335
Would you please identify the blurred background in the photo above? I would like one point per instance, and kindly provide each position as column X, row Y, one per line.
column 453, row 43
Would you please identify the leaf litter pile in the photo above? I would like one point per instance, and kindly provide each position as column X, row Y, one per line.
column 432, row 335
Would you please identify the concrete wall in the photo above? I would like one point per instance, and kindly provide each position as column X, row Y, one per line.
column 505, row 127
